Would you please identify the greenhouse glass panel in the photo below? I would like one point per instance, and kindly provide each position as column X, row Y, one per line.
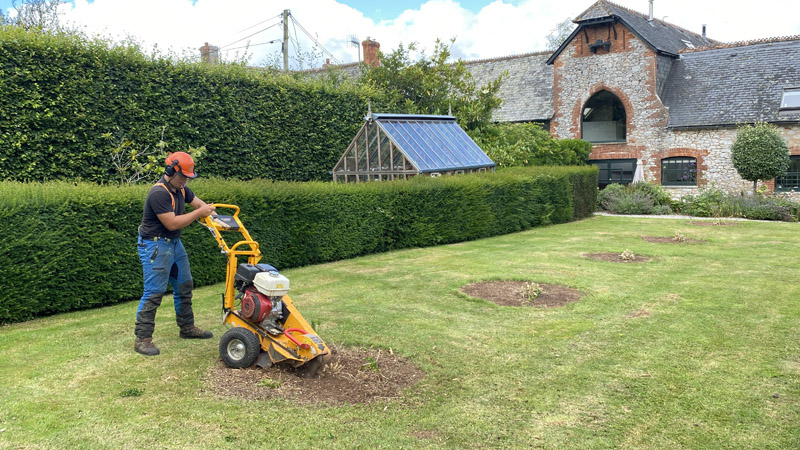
column 386, row 153
column 399, row 161
column 433, row 143
column 400, row 145
column 373, row 149
column 350, row 160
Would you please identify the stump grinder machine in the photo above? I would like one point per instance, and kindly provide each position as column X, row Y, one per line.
column 267, row 329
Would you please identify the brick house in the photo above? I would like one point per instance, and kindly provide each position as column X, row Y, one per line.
column 645, row 91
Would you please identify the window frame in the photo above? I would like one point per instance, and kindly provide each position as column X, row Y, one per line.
column 689, row 161
column 616, row 106
column 615, row 171
column 793, row 90
column 794, row 163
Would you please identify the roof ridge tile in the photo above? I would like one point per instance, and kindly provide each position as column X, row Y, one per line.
column 721, row 45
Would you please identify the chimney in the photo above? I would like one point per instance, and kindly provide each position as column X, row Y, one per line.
column 704, row 31
column 371, row 52
column 650, row 17
column 327, row 63
column 209, row 54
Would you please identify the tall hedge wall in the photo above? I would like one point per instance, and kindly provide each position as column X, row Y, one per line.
column 72, row 246
column 59, row 95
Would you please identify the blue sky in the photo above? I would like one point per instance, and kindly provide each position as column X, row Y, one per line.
column 250, row 29
column 377, row 10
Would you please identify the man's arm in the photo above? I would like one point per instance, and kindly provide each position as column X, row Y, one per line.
column 173, row 222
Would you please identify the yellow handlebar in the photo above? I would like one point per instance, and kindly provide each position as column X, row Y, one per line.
column 217, row 223
column 223, row 205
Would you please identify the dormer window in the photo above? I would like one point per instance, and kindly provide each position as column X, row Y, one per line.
column 791, row 99
column 605, row 45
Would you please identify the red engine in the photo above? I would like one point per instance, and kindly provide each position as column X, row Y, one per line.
column 255, row 305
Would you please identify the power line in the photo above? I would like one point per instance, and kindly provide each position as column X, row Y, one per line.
column 313, row 39
column 259, row 23
column 253, row 45
column 296, row 41
column 246, row 37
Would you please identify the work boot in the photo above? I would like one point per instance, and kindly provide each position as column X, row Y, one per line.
column 192, row 332
column 145, row 346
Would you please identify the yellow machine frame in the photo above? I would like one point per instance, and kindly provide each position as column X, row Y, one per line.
column 299, row 345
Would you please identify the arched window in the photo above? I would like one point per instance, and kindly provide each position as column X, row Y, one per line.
column 679, row 171
column 603, row 118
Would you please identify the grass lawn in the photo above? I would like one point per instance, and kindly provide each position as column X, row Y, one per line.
column 697, row 348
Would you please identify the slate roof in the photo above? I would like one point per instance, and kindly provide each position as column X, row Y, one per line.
column 661, row 36
column 527, row 89
column 729, row 86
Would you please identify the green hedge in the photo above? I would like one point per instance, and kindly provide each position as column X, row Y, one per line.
column 59, row 96
column 72, row 246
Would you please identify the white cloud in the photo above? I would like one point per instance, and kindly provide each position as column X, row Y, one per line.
column 498, row 29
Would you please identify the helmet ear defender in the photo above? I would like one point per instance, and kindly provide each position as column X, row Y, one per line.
column 180, row 162
column 171, row 169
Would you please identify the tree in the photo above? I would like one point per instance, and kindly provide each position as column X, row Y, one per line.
column 559, row 34
column 759, row 153
column 528, row 144
column 433, row 86
column 41, row 15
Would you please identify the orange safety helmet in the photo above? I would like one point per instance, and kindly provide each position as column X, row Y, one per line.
column 180, row 162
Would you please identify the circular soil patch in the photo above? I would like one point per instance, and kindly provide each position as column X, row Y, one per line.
column 617, row 257
column 670, row 240
column 354, row 375
column 509, row 293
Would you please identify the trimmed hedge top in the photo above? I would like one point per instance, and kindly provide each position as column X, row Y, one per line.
column 61, row 97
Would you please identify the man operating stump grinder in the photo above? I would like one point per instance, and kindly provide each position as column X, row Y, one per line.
column 164, row 260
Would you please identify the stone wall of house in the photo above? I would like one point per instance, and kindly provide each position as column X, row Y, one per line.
column 629, row 70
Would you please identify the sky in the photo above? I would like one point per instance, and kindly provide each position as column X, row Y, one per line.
column 251, row 29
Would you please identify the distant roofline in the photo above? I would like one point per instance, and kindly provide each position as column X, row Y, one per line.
column 330, row 67
column 722, row 45
column 612, row 17
column 389, row 116
column 647, row 16
column 507, row 57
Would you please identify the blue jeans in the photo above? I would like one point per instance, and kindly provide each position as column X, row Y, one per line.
column 163, row 261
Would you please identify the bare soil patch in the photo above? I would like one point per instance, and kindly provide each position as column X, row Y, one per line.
column 638, row 313
column 712, row 223
column 670, row 240
column 509, row 293
column 354, row 375
column 617, row 257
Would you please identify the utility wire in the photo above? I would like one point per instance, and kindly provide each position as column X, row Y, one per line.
column 313, row 39
column 253, row 45
column 275, row 17
column 246, row 37
column 296, row 41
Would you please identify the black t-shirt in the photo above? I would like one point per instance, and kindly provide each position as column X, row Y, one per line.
column 159, row 201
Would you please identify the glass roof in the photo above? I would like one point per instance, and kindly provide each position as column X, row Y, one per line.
column 433, row 143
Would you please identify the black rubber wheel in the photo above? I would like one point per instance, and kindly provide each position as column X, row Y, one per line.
column 239, row 348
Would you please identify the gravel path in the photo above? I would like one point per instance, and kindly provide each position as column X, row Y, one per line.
column 676, row 216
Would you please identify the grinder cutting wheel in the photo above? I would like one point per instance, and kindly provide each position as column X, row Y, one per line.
column 267, row 329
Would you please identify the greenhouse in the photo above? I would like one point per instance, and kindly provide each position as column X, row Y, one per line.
column 400, row 146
